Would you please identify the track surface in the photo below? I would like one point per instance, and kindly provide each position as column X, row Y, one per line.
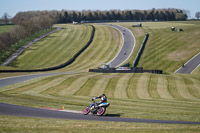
column 190, row 66
column 15, row 110
column 14, row 80
column 127, row 47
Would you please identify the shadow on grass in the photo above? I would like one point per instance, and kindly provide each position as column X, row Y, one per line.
column 113, row 115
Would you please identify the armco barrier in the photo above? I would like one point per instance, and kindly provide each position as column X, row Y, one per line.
column 62, row 65
column 135, row 63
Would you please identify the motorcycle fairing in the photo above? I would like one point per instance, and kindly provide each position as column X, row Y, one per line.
column 104, row 105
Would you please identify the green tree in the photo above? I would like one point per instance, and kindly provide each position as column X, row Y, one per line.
column 180, row 16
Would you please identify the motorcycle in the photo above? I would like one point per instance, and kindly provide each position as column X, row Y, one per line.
column 99, row 110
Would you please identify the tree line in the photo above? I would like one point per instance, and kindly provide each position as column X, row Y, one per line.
column 31, row 22
column 122, row 15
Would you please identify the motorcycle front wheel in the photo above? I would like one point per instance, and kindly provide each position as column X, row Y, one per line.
column 101, row 111
column 86, row 111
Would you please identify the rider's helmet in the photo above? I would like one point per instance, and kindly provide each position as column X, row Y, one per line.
column 103, row 94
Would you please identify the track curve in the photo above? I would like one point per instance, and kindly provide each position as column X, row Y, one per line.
column 16, row 110
column 127, row 47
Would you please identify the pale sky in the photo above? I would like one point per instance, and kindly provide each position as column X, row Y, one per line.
column 14, row 6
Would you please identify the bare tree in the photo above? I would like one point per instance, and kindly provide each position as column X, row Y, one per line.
column 6, row 18
column 187, row 12
column 197, row 15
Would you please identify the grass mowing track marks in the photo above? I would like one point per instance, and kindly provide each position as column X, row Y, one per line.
column 142, row 100
column 168, row 97
column 55, row 49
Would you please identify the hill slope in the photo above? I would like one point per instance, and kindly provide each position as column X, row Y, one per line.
column 167, row 96
column 167, row 50
column 55, row 49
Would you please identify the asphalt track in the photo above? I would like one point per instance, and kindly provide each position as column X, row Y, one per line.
column 14, row 80
column 190, row 66
column 16, row 110
column 127, row 46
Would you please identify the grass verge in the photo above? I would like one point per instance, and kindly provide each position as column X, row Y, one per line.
column 25, row 125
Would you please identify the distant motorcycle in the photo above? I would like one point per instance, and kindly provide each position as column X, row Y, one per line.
column 99, row 110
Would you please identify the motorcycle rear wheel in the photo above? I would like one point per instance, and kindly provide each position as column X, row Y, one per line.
column 86, row 111
column 101, row 111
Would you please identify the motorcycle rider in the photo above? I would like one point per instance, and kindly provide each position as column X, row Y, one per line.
column 103, row 100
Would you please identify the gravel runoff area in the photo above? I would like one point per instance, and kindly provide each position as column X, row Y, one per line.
column 19, row 51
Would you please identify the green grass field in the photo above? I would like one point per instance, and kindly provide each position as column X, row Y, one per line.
column 197, row 71
column 165, row 97
column 167, row 50
column 55, row 49
column 106, row 44
column 34, row 125
column 5, row 28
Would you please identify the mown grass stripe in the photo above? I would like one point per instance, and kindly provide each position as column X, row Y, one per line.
column 87, row 87
column 195, row 88
column 39, row 89
column 172, row 88
column 58, row 88
column 76, row 85
column 91, row 52
column 110, row 88
column 192, row 85
column 120, row 90
column 182, row 88
column 100, row 86
column 162, row 87
column 152, row 88
column 142, row 87
column 132, row 85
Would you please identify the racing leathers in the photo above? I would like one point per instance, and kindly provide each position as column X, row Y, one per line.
column 103, row 100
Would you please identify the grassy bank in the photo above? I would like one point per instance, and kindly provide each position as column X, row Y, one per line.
column 18, row 45
column 166, row 97
column 166, row 50
column 106, row 44
column 25, row 125
column 55, row 49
